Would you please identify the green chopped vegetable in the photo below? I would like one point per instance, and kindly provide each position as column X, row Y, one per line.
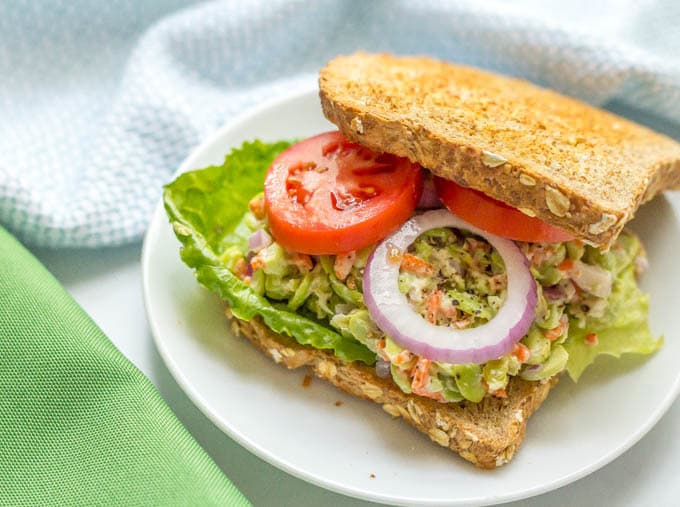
column 554, row 365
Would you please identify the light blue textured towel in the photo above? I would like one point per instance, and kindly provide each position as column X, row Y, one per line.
column 101, row 101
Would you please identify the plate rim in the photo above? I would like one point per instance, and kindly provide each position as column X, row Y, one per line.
column 153, row 230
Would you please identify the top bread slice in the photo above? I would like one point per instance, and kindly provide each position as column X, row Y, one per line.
column 572, row 165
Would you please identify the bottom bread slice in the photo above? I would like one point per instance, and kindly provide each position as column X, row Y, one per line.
column 487, row 433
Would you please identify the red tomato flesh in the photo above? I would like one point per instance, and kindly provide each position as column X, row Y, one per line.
column 327, row 195
column 496, row 217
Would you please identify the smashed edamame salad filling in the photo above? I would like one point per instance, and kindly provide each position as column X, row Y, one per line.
column 587, row 301
column 453, row 278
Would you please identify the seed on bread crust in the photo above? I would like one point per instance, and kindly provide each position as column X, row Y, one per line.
column 275, row 355
column 373, row 392
column 603, row 224
column 327, row 369
column 357, row 125
column 287, row 352
column 527, row 180
column 439, row 436
column 491, row 159
column 471, row 436
column 441, row 422
column 557, row 202
column 391, row 409
column 464, row 444
column 469, row 456
column 414, row 411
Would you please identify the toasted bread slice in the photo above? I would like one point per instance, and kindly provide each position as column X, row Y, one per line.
column 570, row 164
column 487, row 433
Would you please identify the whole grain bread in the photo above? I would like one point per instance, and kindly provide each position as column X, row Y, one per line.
column 570, row 164
column 487, row 433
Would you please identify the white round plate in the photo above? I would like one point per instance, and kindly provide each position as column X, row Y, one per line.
column 358, row 449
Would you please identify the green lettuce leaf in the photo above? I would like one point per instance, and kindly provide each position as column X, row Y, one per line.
column 207, row 205
column 245, row 305
column 623, row 330
column 206, row 209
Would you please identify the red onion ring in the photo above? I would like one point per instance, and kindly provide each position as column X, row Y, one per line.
column 395, row 316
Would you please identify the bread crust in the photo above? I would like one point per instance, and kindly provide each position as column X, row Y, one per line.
column 572, row 165
column 487, row 433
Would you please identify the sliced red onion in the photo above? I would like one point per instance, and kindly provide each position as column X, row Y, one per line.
column 592, row 279
column 382, row 368
column 560, row 293
column 258, row 240
column 553, row 293
column 395, row 316
column 249, row 266
column 429, row 198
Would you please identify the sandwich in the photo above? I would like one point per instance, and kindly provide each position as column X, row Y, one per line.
column 450, row 252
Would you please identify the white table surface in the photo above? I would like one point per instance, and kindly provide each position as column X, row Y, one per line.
column 107, row 283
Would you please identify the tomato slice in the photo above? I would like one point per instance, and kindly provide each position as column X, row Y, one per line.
column 327, row 195
column 494, row 216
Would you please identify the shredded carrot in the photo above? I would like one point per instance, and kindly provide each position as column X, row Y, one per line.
column 499, row 393
column 256, row 206
column 433, row 306
column 302, row 261
column 343, row 264
column 416, row 265
column 257, row 263
column 554, row 333
column 241, row 268
column 537, row 259
column 497, row 282
column 591, row 339
column 403, row 357
column 380, row 346
column 521, row 352
column 475, row 245
column 566, row 265
column 421, row 373
column 421, row 377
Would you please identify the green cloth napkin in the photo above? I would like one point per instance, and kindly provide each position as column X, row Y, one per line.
column 79, row 424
